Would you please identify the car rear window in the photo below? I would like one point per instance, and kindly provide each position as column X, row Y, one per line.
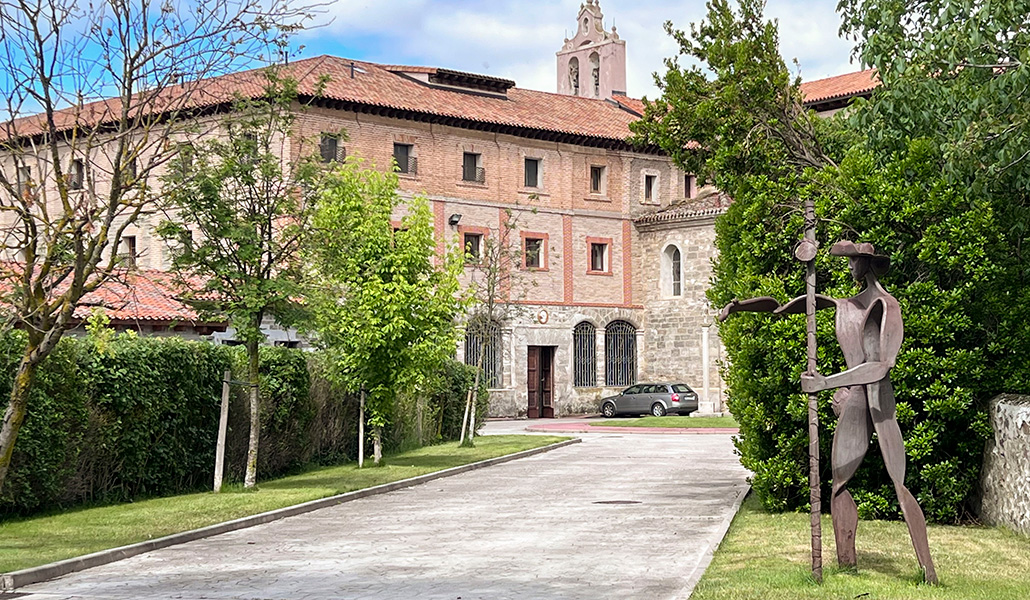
column 679, row 388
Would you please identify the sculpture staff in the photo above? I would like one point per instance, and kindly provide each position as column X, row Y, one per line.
column 870, row 331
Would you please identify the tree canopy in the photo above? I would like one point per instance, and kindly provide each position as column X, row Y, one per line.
column 956, row 271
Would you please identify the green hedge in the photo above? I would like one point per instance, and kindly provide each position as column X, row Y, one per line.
column 129, row 417
column 134, row 418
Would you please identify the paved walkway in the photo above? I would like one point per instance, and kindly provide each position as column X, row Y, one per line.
column 617, row 516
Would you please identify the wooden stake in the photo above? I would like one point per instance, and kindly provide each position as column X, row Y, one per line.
column 361, row 431
column 223, row 422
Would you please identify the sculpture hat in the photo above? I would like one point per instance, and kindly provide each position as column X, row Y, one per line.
column 879, row 262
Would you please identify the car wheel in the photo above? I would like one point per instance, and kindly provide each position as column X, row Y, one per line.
column 658, row 409
column 608, row 410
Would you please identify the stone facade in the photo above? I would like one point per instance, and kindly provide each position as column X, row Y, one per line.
column 1005, row 482
column 593, row 63
column 678, row 319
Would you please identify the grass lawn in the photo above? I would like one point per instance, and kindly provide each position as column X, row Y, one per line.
column 767, row 556
column 676, row 422
column 39, row 540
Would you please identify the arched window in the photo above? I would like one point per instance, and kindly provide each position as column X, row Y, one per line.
column 620, row 354
column 673, row 266
column 483, row 348
column 574, row 75
column 595, row 73
column 584, row 352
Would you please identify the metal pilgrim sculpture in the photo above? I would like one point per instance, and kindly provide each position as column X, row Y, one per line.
column 870, row 331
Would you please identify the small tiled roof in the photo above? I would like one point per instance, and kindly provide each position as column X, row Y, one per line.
column 370, row 85
column 709, row 202
column 143, row 295
column 634, row 104
column 840, row 86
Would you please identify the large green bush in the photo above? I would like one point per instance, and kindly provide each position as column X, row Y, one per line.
column 955, row 232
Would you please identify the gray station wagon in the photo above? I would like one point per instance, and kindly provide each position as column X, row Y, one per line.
column 655, row 398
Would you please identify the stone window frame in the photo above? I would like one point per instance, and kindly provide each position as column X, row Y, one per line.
column 610, row 245
column 668, row 280
column 690, row 186
column 656, row 194
column 544, row 250
column 602, row 189
column 479, row 151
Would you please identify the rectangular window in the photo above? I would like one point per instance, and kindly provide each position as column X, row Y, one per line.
column 470, row 169
column 473, row 243
column 689, row 186
column 532, row 172
column 330, row 150
column 649, row 183
column 76, row 175
column 24, row 179
column 128, row 254
column 534, row 253
column 403, row 156
column 132, row 171
column 597, row 179
column 598, row 257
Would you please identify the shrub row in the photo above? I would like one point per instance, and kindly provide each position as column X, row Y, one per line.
column 132, row 417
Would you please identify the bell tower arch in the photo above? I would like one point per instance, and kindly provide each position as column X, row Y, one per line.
column 593, row 63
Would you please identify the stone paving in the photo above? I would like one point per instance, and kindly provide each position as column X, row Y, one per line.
column 617, row 516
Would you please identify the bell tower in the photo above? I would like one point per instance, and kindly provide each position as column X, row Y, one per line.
column 593, row 63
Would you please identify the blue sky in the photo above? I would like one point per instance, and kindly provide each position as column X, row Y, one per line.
column 517, row 39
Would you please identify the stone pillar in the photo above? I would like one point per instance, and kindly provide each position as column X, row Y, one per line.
column 599, row 348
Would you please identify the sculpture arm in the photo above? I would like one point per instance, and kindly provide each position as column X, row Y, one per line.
column 763, row 304
column 769, row 304
column 799, row 304
column 863, row 374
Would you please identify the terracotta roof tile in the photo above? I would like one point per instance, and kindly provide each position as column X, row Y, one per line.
column 840, row 86
column 144, row 295
column 377, row 85
column 708, row 202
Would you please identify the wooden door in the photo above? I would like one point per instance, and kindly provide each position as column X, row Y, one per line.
column 546, row 382
column 533, row 381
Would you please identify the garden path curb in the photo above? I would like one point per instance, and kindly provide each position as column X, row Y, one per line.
column 16, row 579
column 706, row 559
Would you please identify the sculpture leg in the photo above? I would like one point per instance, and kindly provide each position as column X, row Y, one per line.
column 850, row 443
column 881, row 408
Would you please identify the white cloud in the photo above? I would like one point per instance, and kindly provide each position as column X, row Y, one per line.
column 518, row 39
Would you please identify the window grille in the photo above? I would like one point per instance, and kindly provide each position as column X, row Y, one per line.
column 485, row 337
column 584, row 350
column 406, row 163
column 620, row 354
column 470, row 169
column 77, row 175
column 330, row 149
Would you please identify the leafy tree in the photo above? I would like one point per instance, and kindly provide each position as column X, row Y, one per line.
column 237, row 216
column 77, row 175
column 383, row 302
column 951, row 272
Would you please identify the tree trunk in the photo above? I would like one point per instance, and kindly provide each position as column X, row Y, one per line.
column 377, row 446
column 361, row 431
column 255, row 414
column 419, row 414
column 14, row 416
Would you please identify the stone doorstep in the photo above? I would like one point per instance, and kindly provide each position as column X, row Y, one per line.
column 16, row 579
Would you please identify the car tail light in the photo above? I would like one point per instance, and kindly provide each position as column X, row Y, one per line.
column 675, row 397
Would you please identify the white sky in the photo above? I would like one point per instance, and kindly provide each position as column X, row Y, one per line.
column 518, row 39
